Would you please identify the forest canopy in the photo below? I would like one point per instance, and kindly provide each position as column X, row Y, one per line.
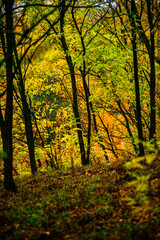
column 79, row 83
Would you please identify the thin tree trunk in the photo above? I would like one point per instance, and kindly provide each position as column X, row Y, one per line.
column 86, row 88
column 26, row 113
column 152, row 73
column 83, row 73
column 28, row 127
column 127, row 125
column 150, row 45
column 74, row 87
column 137, row 90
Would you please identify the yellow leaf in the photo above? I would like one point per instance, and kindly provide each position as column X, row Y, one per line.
column 150, row 158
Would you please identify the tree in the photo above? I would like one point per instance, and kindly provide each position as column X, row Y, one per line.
column 83, row 74
column 150, row 46
column 68, row 57
column 139, row 33
column 7, row 120
column 26, row 110
column 136, row 78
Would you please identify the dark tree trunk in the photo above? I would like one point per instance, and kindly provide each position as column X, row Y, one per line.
column 74, row 87
column 150, row 45
column 26, row 112
column 8, row 121
column 28, row 128
column 152, row 72
column 137, row 90
column 88, row 112
column 39, row 163
column 86, row 88
column 127, row 125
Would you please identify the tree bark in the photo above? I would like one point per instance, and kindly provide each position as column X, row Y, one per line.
column 8, row 121
column 150, row 45
column 152, row 73
column 127, row 125
column 86, row 88
column 28, row 127
column 74, row 87
column 26, row 112
column 136, row 79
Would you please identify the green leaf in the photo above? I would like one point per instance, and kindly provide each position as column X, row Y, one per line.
column 3, row 154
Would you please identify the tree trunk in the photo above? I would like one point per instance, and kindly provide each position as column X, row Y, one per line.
column 28, row 128
column 26, row 112
column 137, row 90
column 152, row 72
column 7, row 126
column 86, row 88
column 127, row 125
column 83, row 74
column 150, row 45
column 74, row 87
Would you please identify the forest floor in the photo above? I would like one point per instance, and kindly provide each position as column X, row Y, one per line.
column 88, row 203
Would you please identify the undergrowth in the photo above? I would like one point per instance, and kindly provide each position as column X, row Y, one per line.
column 82, row 203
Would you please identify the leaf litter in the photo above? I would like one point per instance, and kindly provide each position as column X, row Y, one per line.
column 87, row 203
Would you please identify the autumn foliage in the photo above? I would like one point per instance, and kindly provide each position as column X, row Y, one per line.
column 79, row 119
